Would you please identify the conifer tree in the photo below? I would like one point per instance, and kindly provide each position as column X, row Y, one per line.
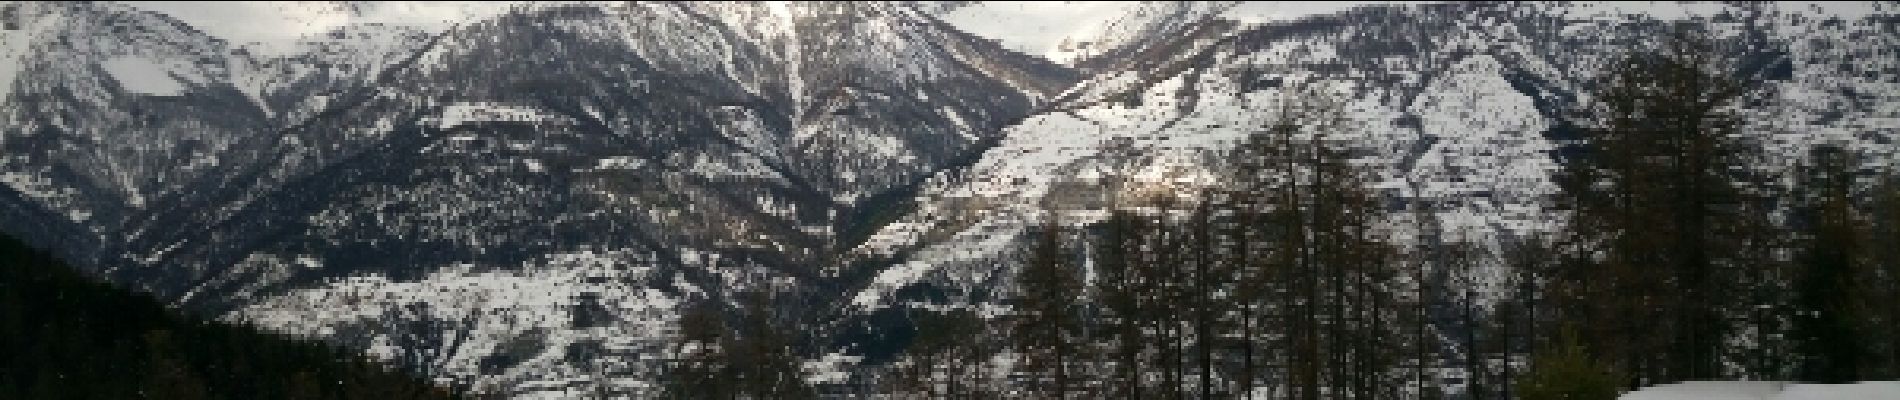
column 762, row 355
column 699, row 367
column 1565, row 371
column 1880, row 281
column 1118, row 292
column 1826, row 314
column 1315, row 223
column 1652, row 198
column 1045, row 328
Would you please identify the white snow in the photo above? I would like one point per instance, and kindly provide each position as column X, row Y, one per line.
column 832, row 368
column 46, row 191
column 1068, row 31
column 1889, row 390
column 499, row 310
column 13, row 45
column 145, row 76
column 275, row 28
column 620, row 162
column 735, row 165
column 1035, row 27
column 309, row 262
column 1258, row 12
column 469, row 112
column 1682, row 10
column 1490, row 162
column 1136, row 25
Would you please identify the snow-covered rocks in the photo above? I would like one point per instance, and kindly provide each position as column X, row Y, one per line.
column 1889, row 390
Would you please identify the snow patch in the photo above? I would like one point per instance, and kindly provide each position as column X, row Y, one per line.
column 1261, row 12
column 13, row 45
column 146, row 76
column 309, row 262
column 620, row 162
column 45, row 191
column 1034, row 27
column 1767, row 391
column 532, row 314
column 832, row 368
column 459, row 114
column 275, row 28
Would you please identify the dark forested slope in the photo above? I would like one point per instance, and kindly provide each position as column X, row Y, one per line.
column 67, row 336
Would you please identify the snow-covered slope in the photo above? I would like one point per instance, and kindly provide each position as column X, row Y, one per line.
column 515, row 197
column 120, row 113
column 1766, row 391
column 1461, row 111
column 705, row 148
column 106, row 110
column 1081, row 33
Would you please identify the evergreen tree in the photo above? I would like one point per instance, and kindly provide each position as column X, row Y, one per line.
column 167, row 377
column 1566, row 371
column 1119, row 292
column 1880, row 282
column 1525, row 262
column 1764, row 301
column 699, row 367
column 1825, row 313
column 944, row 359
column 750, row 357
column 66, row 335
column 1045, row 328
column 1651, row 198
column 1332, row 293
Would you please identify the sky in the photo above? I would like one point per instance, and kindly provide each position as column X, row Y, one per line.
column 1038, row 27
column 275, row 27
column 1031, row 27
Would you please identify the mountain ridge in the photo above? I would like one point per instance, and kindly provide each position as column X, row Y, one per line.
column 863, row 159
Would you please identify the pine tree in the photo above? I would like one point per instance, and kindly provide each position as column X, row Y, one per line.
column 1045, row 328
column 1460, row 262
column 949, row 345
column 1118, row 293
column 1566, row 371
column 167, row 376
column 761, row 354
column 1764, row 301
column 700, row 367
column 74, row 337
column 1252, row 285
column 1210, row 289
column 1880, row 282
column 1332, row 296
column 1651, row 197
column 1828, row 346
column 1526, row 261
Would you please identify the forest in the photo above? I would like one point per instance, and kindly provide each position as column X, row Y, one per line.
column 1681, row 258
column 66, row 335
column 1682, row 254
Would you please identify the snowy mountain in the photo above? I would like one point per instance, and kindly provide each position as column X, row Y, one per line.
column 1471, row 115
column 1466, row 120
column 517, row 198
column 1086, row 36
column 692, row 149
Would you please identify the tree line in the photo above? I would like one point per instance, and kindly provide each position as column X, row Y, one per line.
column 1681, row 257
column 64, row 335
column 1683, row 254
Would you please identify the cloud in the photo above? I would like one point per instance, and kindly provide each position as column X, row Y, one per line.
column 276, row 27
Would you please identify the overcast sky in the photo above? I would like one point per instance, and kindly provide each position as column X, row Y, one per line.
column 1028, row 26
column 1033, row 27
column 276, row 25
